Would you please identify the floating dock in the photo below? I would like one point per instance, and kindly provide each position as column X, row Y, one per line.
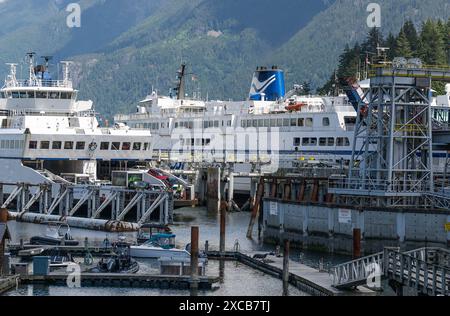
column 8, row 283
column 123, row 280
column 303, row 277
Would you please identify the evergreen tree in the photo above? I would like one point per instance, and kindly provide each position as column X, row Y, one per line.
column 374, row 39
column 432, row 48
column 411, row 34
column 391, row 42
column 306, row 88
column 402, row 46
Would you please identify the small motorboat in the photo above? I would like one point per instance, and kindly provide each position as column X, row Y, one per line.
column 153, row 232
column 57, row 234
column 120, row 262
column 154, row 250
column 59, row 259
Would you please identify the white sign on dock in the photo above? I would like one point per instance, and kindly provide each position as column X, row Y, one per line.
column 274, row 208
column 345, row 216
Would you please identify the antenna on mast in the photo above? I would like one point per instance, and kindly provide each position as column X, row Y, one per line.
column 30, row 56
column 66, row 71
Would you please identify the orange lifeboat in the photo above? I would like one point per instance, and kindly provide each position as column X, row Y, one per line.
column 295, row 106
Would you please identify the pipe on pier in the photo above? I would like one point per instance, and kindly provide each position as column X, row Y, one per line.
column 77, row 222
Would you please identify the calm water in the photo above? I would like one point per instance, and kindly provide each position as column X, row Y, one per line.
column 256, row 283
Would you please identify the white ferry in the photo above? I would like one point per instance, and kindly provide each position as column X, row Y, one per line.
column 270, row 127
column 48, row 136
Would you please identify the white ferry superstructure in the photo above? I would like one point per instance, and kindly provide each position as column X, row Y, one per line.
column 47, row 133
column 270, row 127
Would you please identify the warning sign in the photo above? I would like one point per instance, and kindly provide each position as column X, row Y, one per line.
column 345, row 216
column 274, row 208
column 447, row 227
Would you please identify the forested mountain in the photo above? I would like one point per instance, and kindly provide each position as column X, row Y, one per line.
column 126, row 46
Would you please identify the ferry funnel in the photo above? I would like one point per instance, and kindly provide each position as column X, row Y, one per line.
column 267, row 84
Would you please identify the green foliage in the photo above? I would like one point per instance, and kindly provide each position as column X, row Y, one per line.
column 429, row 45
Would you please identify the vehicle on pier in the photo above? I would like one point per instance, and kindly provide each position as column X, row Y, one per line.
column 150, row 231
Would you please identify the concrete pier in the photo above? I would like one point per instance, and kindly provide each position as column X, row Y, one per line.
column 328, row 227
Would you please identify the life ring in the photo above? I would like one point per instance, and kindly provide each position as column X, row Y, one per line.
column 92, row 146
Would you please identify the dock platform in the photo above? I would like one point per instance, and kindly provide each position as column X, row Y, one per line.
column 8, row 283
column 301, row 276
column 123, row 280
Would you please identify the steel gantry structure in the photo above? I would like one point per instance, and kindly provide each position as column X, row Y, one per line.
column 394, row 165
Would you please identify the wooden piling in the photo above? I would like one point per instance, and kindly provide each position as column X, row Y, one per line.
column 223, row 216
column 356, row 243
column 194, row 260
column 286, row 268
column 256, row 207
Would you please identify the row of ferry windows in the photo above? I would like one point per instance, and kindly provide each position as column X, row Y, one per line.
column 56, row 145
column 323, row 141
column 187, row 124
column 36, row 95
column 11, row 144
column 300, row 122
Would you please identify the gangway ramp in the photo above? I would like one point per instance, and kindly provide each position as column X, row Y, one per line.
column 427, row 270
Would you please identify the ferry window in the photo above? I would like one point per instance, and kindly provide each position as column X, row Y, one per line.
column 126, row 146
column 322, row 141
column 260, row 123
column 305, row 142
column 216, row 123
column 56, row 145
column 273, row 122
column 346, row 142
column 197, row 142
column 249, row 123
column 30, row 94
column 68, row 145
column 53, row 95
column 293, row 122
column 313, row 142
column 255, row 123
column 45, row 145
column 301, row 122
column 137, row 146
column 11, row 144
column 176, row 124
column 41, row 95
column 18, row 144
column 146, row 146
column 297, row 141
column 81, row 145
column 191, row 125
column 279, row 122
column 286, row 122
column 309, row 122
column 15, row 95
column 228, row 123
column 192, row 141
column 208, row 141
column 104, row 146
column 115, row 146
column 243, row 124
column 33, row 144
column 330, row 141
column 23, row 95
column 339, row 141
column 326, row 121
column 350, row 120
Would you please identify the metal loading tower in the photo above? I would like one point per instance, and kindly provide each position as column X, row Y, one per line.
column 393, row 166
